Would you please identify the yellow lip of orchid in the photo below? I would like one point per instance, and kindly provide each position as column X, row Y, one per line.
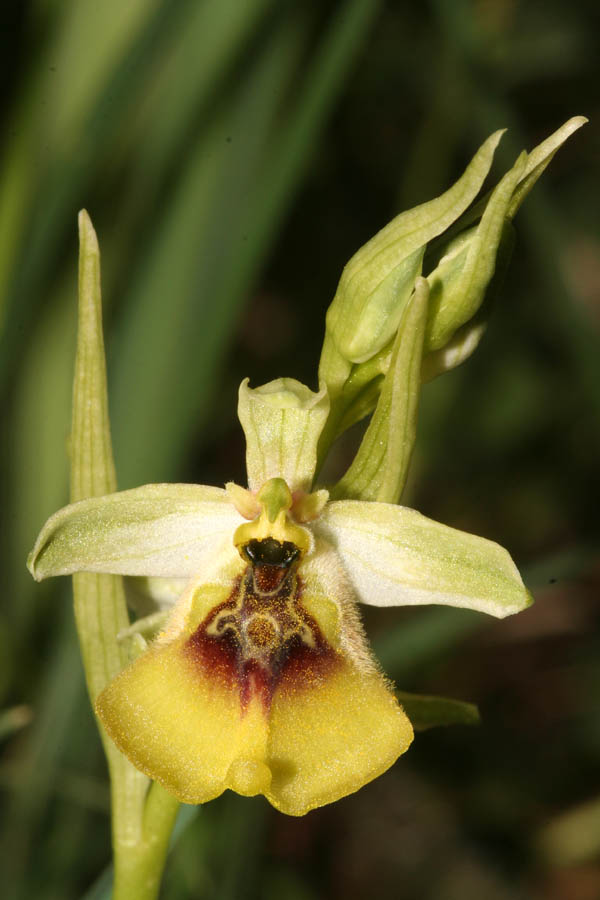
column 263, row 678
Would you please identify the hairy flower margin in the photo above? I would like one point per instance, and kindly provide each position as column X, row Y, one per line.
column 260, row 679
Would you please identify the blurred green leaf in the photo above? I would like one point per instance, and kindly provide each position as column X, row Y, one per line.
column 428, row 712
column 227, row 208
column 13, row 719
column 571, row 838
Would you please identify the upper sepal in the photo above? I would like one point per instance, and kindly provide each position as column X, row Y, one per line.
column 282, row 421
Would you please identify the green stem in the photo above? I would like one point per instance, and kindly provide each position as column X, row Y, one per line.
column 143, row 815
column 139, row 864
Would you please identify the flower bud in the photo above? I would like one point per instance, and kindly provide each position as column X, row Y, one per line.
column 474, row 252
column 459, row 282
column 379, row 279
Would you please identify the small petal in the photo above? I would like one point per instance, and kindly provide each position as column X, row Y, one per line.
column 397, row 557
column 307, row 507
column 158, row 529
column 244, row 500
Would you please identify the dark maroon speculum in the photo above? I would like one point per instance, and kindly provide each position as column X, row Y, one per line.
column 262, row 630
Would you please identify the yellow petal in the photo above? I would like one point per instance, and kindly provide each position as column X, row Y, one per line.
column 330, row 735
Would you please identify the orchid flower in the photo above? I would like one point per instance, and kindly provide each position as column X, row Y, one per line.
column 260, row 678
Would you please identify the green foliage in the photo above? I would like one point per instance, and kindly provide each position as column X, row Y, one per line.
column 429, row 712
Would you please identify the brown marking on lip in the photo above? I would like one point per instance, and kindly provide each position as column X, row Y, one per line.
column 217, row 658
column 257, row 642
column 305, row 667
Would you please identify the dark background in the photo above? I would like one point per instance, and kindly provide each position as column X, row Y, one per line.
column 233, row 156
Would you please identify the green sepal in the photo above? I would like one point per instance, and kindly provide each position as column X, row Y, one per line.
column 378, row 471
column 165, row 530
column 426, row 711
column 282, row 421
column 394, row 556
